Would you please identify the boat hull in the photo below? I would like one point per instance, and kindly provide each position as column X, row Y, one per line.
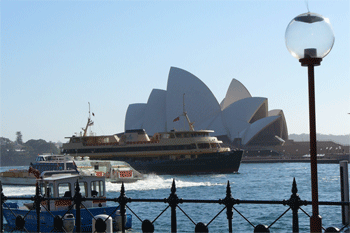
column 47, row 220
column 224, row 162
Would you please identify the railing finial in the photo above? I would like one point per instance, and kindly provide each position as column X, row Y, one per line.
column 173, row 188
column 77, row 187
column 294, row 187
column 228, row 190
column 122, row 190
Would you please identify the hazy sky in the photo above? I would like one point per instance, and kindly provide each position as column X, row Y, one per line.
column 56, row 56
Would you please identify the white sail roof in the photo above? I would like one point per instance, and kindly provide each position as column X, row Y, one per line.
column 135, row 116
column 200, row 103
column 154, row 118
column 235, row 92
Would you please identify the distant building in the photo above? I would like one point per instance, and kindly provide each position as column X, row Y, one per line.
column 243, row 119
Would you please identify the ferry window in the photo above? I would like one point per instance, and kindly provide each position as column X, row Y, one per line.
column 203, row 145
column 83, row 189
column 96, row 167
column 167, row 135
column 64, row 190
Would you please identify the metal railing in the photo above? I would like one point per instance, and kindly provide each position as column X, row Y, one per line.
column 293, row 204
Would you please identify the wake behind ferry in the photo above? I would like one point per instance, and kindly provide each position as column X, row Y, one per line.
column 175, row 152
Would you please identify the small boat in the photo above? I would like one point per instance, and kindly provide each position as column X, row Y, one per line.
column 42, row 163
column 63, row 185
column 114, row 171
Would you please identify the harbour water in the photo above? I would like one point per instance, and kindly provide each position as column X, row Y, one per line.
column 253, row 182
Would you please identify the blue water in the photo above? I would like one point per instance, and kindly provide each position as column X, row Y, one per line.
column 253, row 182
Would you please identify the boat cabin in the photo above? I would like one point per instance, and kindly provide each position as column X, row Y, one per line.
column 53, row 162
column 63, row 185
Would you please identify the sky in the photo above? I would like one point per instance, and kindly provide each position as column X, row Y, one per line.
column 58, row 56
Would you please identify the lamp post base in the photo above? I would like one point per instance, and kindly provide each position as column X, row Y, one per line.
column 316, row 224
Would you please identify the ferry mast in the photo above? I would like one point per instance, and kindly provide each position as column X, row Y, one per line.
column 190, row 124
column 89, row 123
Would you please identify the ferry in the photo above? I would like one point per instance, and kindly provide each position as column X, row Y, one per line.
column 114, row 171
column 175, row 152
column 63, row 186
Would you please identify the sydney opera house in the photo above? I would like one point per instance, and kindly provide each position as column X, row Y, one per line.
column 239, row 118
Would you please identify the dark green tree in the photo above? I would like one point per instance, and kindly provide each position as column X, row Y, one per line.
column 7, row 151
column 36, row 147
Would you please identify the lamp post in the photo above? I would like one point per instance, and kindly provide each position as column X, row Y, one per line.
column 309, row 38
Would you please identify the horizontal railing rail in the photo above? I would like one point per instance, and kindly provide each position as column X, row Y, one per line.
column 294, row 204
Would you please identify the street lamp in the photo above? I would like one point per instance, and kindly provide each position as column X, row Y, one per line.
column 309, row 38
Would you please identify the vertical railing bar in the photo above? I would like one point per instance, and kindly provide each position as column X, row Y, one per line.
column 77, row 199
column 216, row 216
column 122, row 203
column 173, row 218
column 186, row 215
column 279, row 217
column 173, row 200
column 37, row 206
column 243, row 216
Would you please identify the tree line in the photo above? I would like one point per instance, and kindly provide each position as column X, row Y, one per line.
column 18, row 153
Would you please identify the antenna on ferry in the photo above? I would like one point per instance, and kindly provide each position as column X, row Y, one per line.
column 89, row 122
column 190, row 124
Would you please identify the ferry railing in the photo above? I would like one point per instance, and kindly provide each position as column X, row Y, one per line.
column 294, row 204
